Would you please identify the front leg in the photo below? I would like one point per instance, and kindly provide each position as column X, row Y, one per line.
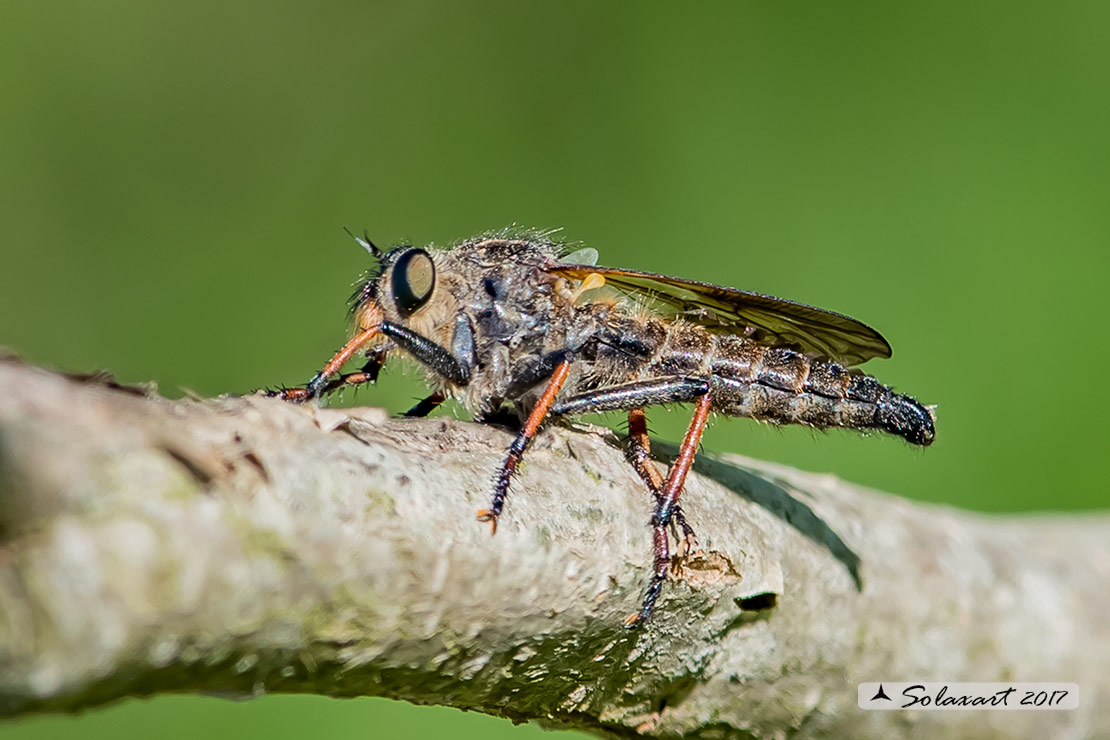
column 456, row 366
column 367, row 374
column 455, row 369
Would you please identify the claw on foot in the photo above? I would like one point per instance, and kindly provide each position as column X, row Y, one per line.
column 686, row 545
column 294, row 395
column 486, row 515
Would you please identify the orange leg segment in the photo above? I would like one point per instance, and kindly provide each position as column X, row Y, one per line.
column 676, row 476
column 371, row 325
column 639, row 450
column 300, row 395
column 666, row 506
column 520, row 444
column 639, row 454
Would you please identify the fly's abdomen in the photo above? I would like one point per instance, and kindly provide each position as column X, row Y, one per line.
column 773, row 384
column 782, row 386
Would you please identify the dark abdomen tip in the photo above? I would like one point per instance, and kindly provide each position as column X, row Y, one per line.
column 907, row 418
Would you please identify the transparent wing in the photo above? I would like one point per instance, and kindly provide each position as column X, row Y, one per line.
column 764, row 318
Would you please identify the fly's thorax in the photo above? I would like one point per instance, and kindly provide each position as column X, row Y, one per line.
column 517, row 313
column 498, row 282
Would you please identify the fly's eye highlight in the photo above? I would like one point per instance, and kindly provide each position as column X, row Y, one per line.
column 414, row 277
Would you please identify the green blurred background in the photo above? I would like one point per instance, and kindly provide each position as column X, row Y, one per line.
column 174, row 179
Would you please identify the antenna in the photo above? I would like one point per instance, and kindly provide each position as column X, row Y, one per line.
column 365, row 243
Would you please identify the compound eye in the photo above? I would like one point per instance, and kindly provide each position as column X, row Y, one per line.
column 414, row 277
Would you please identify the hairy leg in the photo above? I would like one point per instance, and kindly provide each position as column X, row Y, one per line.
column 665, row 507
column 639, row 454
column 520, row 444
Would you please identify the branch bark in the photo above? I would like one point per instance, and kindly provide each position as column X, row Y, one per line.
column 244, row 545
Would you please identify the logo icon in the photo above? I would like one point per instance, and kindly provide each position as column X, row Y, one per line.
column 880, row 694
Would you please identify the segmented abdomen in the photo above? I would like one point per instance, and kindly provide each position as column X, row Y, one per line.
column 775, row 384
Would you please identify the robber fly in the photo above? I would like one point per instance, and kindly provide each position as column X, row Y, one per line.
column 514, row 321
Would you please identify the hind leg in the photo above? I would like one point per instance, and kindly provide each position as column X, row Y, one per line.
column 639, row 454
column 666, row 503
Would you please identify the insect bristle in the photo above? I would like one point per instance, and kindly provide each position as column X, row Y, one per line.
column 365, row 286
column 365, row 292
column 517, row 233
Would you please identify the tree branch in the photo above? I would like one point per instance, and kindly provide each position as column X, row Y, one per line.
column 245, row 545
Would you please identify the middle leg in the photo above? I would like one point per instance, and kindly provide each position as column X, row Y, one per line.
column 520, row 444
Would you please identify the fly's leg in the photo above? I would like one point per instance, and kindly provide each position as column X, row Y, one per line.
column 640, row 393
column 456, row 369
column 297, row 395
column 520, row 444
column 439, row 359
column 639, row 454
column 320, row 381
column 633, row 397
column 665, row 506
column 368, row 374
column 301, row 394
column 426, row 406
column 323, row 382
column 639, row 451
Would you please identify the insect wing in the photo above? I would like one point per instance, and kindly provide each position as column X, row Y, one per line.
column 767, row 319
